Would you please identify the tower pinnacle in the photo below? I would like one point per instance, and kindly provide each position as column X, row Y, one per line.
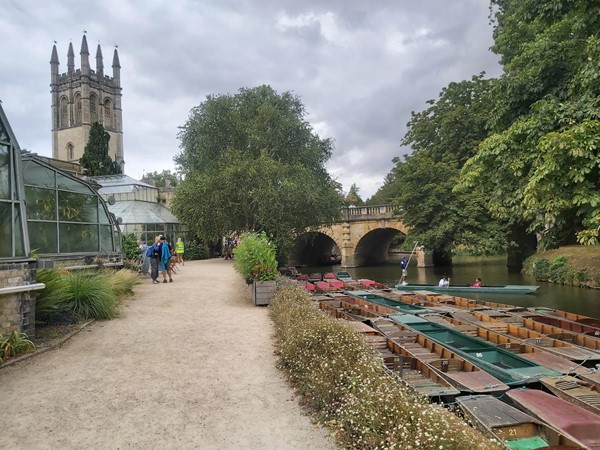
column 85, row 61
column 99, row 62
column 70, row 59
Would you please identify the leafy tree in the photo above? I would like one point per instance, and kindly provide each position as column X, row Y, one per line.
column 442, row 138
column 541, row 166
column 252, row 162
column 353, row 197
column 161, row 177
column 95, row 155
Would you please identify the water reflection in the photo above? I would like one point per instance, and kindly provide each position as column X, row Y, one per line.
column 492, row 271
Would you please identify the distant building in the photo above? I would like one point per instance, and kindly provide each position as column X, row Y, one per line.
column 81, row 98
column 139, row 207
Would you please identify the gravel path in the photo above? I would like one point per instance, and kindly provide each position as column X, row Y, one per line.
column 188, row 364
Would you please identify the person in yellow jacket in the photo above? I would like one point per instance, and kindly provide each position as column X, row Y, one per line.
column 179, row 250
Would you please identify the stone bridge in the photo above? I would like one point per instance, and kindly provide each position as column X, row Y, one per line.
column 361, row 238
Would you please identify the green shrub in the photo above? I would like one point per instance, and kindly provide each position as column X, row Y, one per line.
column 255, row 258
column 47, row 299
column 89, row 295
column 559, row 270
column 343, row 382
column 122, row 282
column 14, row 344
column 194, row 250
column 131, row 248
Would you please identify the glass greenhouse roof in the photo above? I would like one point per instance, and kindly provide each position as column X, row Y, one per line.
column 114, row 184
column 142, row 212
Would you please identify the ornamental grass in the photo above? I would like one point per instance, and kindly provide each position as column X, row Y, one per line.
column 346, row 385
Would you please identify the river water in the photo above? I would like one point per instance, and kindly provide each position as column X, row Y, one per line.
column 491, row 271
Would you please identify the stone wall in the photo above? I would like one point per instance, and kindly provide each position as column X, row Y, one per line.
column 17, row 311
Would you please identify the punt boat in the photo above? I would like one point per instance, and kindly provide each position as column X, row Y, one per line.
column 515, row 429
column 513, row 344
column 575, row 391
column 562, row 348
column 579, row 318
column 512, row 289
column 392, row 306
column 314, row 277
column 501, row 363
column 577, row 424
column 401, row 346
column 343, row 276
column 560, row 322
column 555, row 332
column 462, row 374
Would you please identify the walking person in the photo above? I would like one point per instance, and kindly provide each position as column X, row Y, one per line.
column 152, row 253
column 164, row 259
column 179, row 250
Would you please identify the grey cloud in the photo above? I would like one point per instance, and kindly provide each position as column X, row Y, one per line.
column 360, row 68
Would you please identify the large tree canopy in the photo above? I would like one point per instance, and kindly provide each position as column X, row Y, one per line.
column 251, row 161
column 541, row 165
column 442, row 138
column 95, row 157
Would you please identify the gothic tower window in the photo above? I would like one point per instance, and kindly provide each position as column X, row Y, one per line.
column 108, row 113
column 64, row 112
column 78, row 109
column 70, row 152
column 93, row 108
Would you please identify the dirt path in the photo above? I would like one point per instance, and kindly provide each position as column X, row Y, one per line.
column 189, row 364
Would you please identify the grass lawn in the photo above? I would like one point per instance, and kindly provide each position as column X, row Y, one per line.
column 585, row 258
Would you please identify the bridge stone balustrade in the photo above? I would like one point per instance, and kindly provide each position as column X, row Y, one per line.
column 361, row 238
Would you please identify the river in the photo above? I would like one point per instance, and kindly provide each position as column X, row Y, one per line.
column 492, row 270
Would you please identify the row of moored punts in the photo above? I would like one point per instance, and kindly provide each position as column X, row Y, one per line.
column 529, row 377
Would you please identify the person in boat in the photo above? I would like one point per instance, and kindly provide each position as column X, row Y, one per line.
column 404, row 267
column 444, row 282
column 478, row 283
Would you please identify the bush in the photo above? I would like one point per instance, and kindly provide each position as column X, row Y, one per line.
column 122, row 282
column 349, row 389
column 194, row 250
column 89, row 295
column 558, row 270
column 14, row 344
column 255, row 258
column 84, row 295
column 131, row 248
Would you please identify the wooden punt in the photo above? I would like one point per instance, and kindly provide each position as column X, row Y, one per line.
column 343, row 276
column 515, row 345
column 561, row 334
column 557, row 347
column 417, row 374
column 328, row 276
column 514, row 428
column 501, row 363
column 577, row 424
column 393, row 306
column 513, row 289
column 579, row 318
column 461, row 373
column 310, row 287
column 314, row 277
column 557, row 321
column 575, row 391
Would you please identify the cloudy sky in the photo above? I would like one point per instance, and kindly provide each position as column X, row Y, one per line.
column 359, row 67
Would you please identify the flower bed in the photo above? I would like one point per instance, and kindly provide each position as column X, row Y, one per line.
column 348, row 388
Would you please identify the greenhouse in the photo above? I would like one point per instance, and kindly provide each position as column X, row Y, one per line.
column 13, row 241
column 139, row 208
column 65, row 216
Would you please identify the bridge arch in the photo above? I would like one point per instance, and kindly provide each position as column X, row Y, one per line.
column 311, row 247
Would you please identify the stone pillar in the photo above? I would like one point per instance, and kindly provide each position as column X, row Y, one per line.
column 423, row 259
column 17, row 311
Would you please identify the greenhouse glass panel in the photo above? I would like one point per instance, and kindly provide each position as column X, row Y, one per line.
column 5, row 229
column 3, row 133
column 5, row 172
column 106, row 244
column 102, row 214
column 68, row 184
column 75, row 237
column 18, row 228
column 41, row 203
column 74, row 207
column 43, row 236
column 37, row 175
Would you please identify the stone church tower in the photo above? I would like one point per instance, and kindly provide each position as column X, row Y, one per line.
column 82, row 97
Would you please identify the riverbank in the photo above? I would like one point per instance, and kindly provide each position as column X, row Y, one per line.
column 573, row 265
